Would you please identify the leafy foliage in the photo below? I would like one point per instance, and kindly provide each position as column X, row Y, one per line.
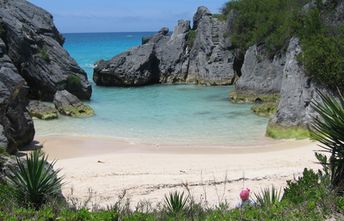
column 328, row 130
column 323, row 56
column 175, row 203
column 271, row 22
column 268, row 197
column 191, row 37
column 35, row 180
column 73, row 81
column 310, row 188
column 43, row 53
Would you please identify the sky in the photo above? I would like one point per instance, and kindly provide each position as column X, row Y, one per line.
column 75, row 16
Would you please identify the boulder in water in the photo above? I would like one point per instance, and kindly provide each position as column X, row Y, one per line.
column 69, row 105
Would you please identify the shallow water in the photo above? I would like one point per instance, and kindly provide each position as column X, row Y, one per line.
column 181, row 114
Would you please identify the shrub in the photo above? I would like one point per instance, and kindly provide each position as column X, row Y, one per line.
column 310, row 188
column 34, row 180
column 73, row 81
column 43, row 53
column 328, row 130
column 268, row 197
column 191, row 37
column 175, row 203
column 271, row 22
column 323, row 57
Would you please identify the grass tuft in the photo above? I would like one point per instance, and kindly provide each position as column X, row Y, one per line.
column 279, row 132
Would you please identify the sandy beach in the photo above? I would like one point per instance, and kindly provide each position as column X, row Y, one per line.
column 107, row 167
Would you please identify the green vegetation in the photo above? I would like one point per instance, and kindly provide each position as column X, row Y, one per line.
column 279, row 132
column 49, row 114
column 328, row 130
column 43, row 53
column 306, row 198
column 175, row 203
column 271, row 22
column 73, row 82
column 220, row 16
column 266, row 109
column 80, row 111
column 268, row 197
column 323, row 51
column 191, row 37
column 34, row 180
column 248, row 97
column 274, row 22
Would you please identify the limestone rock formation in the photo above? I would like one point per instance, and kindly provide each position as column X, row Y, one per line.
column 201, row 55
column 35, row 48
column 211, row 57
column 42, row 111
column 135, row 67
column 69, row 105
column 259, row 73
column 297, row 92
column 16, row 126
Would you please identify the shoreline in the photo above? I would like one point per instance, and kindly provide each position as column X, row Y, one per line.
column 76, row 146
column 146, row 173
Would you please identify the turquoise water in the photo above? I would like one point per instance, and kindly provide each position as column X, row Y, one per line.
column 181, row 114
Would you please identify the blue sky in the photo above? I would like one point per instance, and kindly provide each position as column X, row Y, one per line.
column 121, row 15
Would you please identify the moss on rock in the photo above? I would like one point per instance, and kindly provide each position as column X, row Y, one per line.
column 80, row 111
column 294, row 132
column 241, row 97
column 42, row 111
column 45, row 115
column 266, row 109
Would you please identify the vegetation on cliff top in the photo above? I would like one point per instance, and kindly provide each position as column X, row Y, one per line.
column 274, row 22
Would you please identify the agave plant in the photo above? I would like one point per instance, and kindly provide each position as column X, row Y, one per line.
column 34, row 179
column 329, row 131
column 175, row 202
column 268, row 197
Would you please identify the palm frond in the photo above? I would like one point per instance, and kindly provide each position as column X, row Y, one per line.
column 328, row 129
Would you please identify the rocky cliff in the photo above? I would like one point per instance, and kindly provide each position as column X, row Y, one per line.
column 33, row 64
column 35, row 48
column 16, row 126
column 198, row 55
column 284, row 75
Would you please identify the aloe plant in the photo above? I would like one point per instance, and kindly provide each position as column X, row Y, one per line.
column 328, row 129
column 175, row 203
column 268, row 197
column 34, row 179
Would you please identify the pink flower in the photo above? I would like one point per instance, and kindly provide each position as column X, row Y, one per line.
column 245, row 194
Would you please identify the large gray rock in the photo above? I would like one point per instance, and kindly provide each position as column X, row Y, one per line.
column 297, row 92
column 211, row 57
column 69, row 105
column 172, row 54
column 35, row 47
column 201, row 55
column 136, row 67
column 16, row 125
column 259, row 73
column 42, row 111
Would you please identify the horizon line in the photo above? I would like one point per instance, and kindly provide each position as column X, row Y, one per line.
column 109, row 32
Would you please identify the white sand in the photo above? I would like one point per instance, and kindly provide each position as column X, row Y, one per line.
column 147, row 172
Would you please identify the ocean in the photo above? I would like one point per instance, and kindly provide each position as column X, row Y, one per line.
column 159, row 114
